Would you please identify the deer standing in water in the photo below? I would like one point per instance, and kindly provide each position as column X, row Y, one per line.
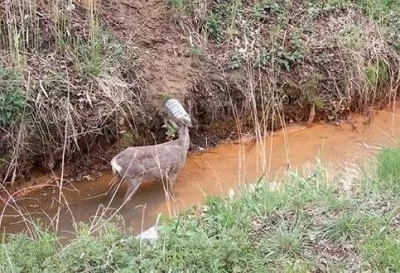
column 161, row 162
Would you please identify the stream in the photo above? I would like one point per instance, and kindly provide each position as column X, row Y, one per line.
column 210, row 172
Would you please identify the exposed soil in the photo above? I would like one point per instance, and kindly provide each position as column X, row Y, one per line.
column 164, row 62
column 215, row 96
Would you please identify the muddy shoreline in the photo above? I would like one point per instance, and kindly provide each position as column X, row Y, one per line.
column 73, row 173
column 211, row 172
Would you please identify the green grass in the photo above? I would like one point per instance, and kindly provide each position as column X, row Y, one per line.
column 24, row 254
column 293, row 229
column 389, row 166
column 177, row 4
column 12, row 97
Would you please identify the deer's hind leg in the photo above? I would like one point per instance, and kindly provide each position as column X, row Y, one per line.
column 115, row 183
column 133, row 186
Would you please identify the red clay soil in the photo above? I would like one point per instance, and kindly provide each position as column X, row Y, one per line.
column 162, row 48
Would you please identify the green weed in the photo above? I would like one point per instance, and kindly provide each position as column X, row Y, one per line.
column 266, row 7
column 214, row 27
column 376, row 74
column 279, row 57
column 285, row 243
column 101, row 52
column 382, row 250
column 12, row 97
column 388, row 171
column 24, row 254
column 177, row 4
column 195, row 50
column 235, row 61
column 170, row 131
column 165, row 97
column 389, row 164
column 341, row 229
column 127, row 139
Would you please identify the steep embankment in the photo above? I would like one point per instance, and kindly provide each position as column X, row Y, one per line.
column 79, row 82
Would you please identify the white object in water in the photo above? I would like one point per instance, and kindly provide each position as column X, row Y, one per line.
column 176, row 114
column 149, row 234
column 231, row 193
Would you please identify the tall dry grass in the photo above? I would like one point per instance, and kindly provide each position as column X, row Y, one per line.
column 78, row 80
column 79, row 84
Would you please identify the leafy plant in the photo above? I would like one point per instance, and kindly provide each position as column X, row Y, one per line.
column 165, row 97
column 127, row 139
column 261, row 59
column 279, row 56
column 12, row 98
column 177, row 4
column 262, row 8
column 23, row 254
column 214, row 27
column 170, row 131
column 235, row 61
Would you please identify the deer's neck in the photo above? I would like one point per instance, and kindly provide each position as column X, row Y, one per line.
column 184, row 137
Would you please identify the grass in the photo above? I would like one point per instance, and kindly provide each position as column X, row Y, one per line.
column 336, row 55
column 342, row 53
column 12, row 98
column 308, row 224
column 268, row 61
column 67, row 78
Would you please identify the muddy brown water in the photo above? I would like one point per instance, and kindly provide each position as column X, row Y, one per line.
column 212, row 172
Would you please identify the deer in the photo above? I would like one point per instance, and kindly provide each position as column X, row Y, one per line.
column 160, row 162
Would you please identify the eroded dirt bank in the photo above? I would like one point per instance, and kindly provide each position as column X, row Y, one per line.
column 213, row 172
column 90, row 77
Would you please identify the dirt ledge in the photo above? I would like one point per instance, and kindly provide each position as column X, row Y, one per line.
column 221, row 101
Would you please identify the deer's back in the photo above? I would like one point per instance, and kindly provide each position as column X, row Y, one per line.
column 150, row 161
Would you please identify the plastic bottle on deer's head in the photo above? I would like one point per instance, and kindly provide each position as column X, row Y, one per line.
column 176, row 114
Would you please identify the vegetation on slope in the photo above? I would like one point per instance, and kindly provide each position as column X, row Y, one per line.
column 70, row 85
column 289, row 55
column 309, row 224
column 65, row 80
